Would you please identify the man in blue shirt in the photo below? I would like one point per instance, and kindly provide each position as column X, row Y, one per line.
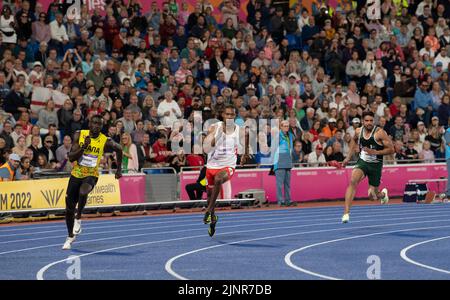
column 283, row 164
column 447, row 159
column 422, row 99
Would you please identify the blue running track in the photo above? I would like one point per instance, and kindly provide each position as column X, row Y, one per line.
column 405, row 241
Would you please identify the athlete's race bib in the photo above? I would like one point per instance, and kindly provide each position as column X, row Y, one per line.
column 367, row 157
column 89, row 160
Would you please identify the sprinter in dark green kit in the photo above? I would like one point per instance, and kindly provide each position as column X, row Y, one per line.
column 373, row 144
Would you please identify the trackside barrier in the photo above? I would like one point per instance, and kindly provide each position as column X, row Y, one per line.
column 159, row 187
column 161, row 184
column 309, row 184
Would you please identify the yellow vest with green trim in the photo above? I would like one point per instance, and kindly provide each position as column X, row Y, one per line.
column 10, row 170
column 89, row 162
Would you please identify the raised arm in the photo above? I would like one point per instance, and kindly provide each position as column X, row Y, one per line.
column 209, row 142
column 76, row 151
column 352, row 147
column 119, row 153
column 382, row 136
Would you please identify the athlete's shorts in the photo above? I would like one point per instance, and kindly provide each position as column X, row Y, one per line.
column 73, row 188
column 371, row 170
column 211, row 174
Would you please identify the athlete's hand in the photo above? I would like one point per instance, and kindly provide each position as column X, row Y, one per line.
column 345, row 162
column 118, row 174
column 370, row 151
column 87, row 142
column 244, row 159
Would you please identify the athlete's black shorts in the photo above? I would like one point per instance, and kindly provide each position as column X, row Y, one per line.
column 73, row 188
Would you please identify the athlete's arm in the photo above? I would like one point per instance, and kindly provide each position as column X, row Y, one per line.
column 209, row 142
column 119, row 153
column 244, row 135
column 386, row 141
column 352, row 147
column 76, row 151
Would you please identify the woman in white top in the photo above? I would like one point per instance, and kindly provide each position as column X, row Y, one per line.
column 378, row 75
column 7, row 23
column 130, row 161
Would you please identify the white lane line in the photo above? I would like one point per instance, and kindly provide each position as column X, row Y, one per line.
column 288, row 257
column 169, row 263
column 40, row 273
column 405, row 257
column 437, row 213
column 189, row 230
column 150, row 222
column 162, row 219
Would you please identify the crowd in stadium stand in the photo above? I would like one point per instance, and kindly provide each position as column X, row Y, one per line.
column 143, row 71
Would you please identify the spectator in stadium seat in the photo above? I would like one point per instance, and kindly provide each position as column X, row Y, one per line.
column 444, row 111
column 63, row 163
column 330, row 130
column 161, row 150
column 6, row 135
column 48, row 150
column 399, row 154
column 130, row 160
column 196, row 190
column 15, row 102
column 427, row 155
column 411, row 153
column 26, row 169
column 10, row 171
column 307, row 122
column 20, row 146
column 17, row 132
column 317, row 158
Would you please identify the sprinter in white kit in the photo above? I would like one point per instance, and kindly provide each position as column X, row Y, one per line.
column 222, row 144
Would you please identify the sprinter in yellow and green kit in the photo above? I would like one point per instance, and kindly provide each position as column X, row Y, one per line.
column 86, row 153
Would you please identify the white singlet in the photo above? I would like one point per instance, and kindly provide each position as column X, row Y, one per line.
column 226, row 149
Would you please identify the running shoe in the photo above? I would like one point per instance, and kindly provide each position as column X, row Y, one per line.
column 68, row 244
column 345, row 218
column 77, row 227
column 212, row 226
column 385, row 199
column 207, row 218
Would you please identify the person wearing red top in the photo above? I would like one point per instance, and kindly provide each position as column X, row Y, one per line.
column 186, row 93
column 195, row 159
column 315, row 130
column 395, row 106
column 111, row 30
column 168, row 29
column 160, row 149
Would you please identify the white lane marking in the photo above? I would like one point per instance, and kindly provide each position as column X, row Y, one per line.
column 291, row 213
column 437, row 213
column 288, row 257
column 40, row 273
column 169, row 263
column 405, row 257
column 180, row 231
column 162, row 219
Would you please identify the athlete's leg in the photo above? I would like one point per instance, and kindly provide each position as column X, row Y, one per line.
column 85, row 189
column 71, row 202
column 219, row 179
column 357, row 177
column 226, row 190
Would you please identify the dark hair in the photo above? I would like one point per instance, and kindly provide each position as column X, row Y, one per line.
column 368, row 113
column 52, row 125
column 99, row 117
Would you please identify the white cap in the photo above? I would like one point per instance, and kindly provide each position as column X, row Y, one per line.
column 14, row 156
column 356, row 120
column 332, row 120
